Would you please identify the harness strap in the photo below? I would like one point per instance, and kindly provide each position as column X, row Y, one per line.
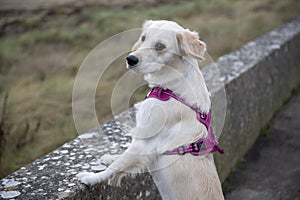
column 203, row 145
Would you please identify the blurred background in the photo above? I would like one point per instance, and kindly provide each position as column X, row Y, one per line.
column 43, row 43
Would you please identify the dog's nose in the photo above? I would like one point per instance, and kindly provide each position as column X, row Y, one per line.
column 132, row 60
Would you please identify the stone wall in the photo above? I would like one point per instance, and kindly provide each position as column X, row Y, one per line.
column 258, row 79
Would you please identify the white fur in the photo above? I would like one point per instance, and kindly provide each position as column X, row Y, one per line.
column 165, row 125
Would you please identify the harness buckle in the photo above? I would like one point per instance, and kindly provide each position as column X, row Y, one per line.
column 181, row 150
column 196, row 146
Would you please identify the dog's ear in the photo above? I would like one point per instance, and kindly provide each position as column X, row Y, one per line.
column 147, row 23
column 190, row 44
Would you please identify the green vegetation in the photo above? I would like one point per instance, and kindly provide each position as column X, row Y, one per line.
column 38, row 67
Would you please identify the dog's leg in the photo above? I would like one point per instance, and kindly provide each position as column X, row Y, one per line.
column 90, row 178
column 108, row 158
column 133, row 160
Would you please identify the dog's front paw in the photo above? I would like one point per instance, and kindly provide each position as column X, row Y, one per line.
column 108, row 159
column 88, row 178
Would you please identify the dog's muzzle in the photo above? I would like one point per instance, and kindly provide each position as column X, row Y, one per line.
column 132, row 61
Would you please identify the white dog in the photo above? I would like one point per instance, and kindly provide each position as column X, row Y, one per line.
column 172, row 139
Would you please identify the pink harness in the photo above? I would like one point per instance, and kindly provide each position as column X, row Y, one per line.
column 203, row 145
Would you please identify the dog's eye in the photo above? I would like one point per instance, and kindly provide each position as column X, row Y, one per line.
column 143, row 38
column 159, row 46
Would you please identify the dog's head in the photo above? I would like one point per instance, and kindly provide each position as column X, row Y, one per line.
column 159, row 43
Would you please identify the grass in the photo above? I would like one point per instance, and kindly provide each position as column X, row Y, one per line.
column 38, row 67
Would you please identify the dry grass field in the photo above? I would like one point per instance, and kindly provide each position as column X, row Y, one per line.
column 41, row 51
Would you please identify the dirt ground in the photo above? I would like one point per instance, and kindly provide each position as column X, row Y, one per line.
column 6, row 5
column 15, row 15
